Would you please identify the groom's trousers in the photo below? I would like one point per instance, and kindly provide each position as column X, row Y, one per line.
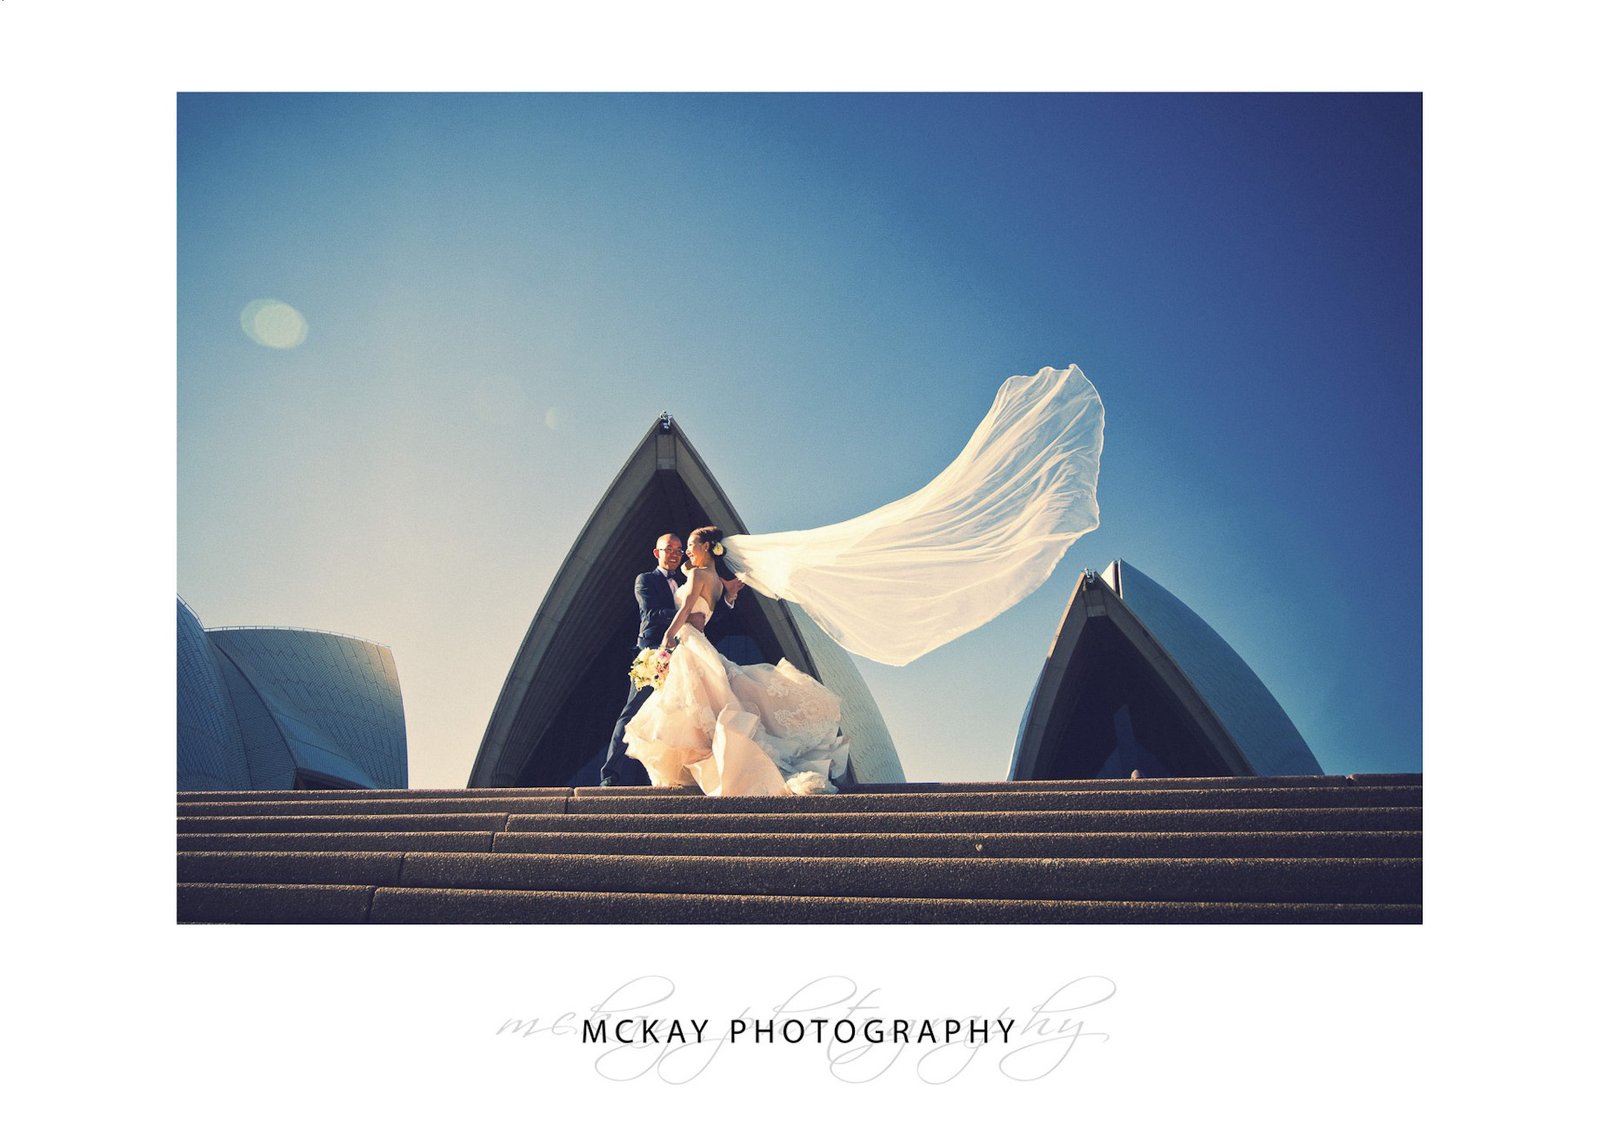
column 619, row 767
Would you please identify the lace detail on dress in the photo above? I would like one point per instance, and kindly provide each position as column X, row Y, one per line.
column 800, row 715
column 804, row 711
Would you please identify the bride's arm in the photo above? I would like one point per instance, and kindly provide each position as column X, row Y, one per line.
column 697, row 578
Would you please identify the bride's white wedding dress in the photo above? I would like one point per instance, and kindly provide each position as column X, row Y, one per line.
column 737, row 730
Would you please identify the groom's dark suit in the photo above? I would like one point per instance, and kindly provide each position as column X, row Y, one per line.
column 653, row 592
column 726, row 632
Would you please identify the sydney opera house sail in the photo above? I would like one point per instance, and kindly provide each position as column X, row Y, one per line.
column 1137, row 681
column 281, row 708
column 561, row 698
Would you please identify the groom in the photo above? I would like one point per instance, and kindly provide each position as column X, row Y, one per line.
column 653, row 591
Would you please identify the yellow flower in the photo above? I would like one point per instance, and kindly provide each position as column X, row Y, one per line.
column 718, row 550
column 649, row 668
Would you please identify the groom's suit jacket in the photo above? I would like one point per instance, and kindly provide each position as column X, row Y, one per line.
column 726, row 619
column 726, row 632
column 656, row 607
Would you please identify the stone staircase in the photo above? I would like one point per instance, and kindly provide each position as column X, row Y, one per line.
column 1341, row 849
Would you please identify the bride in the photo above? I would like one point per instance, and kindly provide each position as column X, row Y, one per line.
column 890, row 585
column 733, row 730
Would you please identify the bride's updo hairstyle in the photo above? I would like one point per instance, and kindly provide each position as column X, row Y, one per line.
column 712, row 536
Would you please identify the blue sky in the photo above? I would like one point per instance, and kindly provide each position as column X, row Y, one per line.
column 502, row 291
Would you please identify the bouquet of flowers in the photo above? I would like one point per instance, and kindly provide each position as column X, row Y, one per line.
column 650, row 668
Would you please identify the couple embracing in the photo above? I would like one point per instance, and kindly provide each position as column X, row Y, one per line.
column 890, row 585
column 721, row 719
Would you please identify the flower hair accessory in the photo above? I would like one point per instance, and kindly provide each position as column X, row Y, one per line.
column 718, row 550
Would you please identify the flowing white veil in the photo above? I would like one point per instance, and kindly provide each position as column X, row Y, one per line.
column 900, row 581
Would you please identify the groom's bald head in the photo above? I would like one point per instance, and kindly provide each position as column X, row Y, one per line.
column 668, row 551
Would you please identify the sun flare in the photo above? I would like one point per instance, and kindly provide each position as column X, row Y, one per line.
column 275, row 324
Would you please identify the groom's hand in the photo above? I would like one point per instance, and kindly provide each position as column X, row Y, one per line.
column 731, row 589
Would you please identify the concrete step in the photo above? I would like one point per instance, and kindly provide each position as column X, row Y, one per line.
column 1213, row 844
column 1311, row 781
column 338, row 823
column 1379, row 880
column 1013, row 800
column 322, row 868
column 374, row 841
column 362, row 794
column 1385, row 818
column 1261, row 782
column 274, row 904
column 1377, row 844
column 1381, row 818
column 390, row 805
column 1053, row 801
column 1076, row 784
